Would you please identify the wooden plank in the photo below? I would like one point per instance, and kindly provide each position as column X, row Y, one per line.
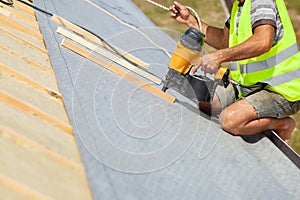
column 95, row 39
column 21, row 15
column 26, row 50
column 44, row 78
column 39, row 132
column 16, row 190
column 32, row 97
column 144, row 85
column 107, row 54
column 5, row 12
column 25, row 8
column 26, row 59
column 56, row 156
column 23, row 39
column 30, row 26
column 5, row 21
column 34, row 84
column 27, row 108
column 39, row 172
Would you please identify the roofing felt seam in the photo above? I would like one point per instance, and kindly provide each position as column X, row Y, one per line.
column 109, row 55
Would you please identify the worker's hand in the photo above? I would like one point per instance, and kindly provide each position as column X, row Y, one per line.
column 182, row 15
column 208, row 63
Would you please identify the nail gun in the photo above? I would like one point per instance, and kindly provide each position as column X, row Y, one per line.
column 186, row 54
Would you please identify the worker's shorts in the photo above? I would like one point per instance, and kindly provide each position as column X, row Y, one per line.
column 266, row 103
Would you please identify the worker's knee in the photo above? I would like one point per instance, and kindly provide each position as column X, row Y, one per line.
column 228, row 122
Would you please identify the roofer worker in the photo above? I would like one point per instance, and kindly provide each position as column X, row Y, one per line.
column 259, row 42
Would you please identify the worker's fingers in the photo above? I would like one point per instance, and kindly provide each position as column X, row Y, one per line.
column 195, row 69
column 179, row 6
column 172, row 8
column 209, row 63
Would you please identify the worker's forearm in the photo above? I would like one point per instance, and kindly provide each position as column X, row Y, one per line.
column 260, row 43
column 252, row 47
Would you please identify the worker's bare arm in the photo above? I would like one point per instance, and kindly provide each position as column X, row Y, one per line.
column 216, row 37
column 260, row 42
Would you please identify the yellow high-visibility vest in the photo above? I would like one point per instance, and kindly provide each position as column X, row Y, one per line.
column 279, row 68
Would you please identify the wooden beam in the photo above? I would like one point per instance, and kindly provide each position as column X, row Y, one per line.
column 28, row 60
column 5, row 12
column 20, row 15
column 95, row 39
column 23, row 140
column 30, row 109
column 25, row 8
column 107, row 54
column 5, row 21
column 54, row 94
column 41, row 49
column 96, row 59
column 16, row 186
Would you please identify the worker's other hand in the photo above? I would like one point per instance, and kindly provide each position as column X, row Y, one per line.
column 182, row 15
column 208, row 64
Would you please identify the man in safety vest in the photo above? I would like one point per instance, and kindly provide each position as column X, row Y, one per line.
column 259, row 42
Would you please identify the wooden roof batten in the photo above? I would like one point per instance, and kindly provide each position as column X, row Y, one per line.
column 38, row 152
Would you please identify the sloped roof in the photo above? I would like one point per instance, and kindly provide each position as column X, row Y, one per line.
column 136, row 145
column 39, row 158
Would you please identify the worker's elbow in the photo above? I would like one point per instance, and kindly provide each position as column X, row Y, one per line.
column 264, row 47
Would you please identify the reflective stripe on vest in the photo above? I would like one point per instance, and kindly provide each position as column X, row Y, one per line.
column 279, row 67
column 268, row 63
column 282, row 78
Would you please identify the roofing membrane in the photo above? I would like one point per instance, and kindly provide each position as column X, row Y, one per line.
column 135, row 145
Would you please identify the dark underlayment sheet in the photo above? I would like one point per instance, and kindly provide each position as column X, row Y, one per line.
column 135, row 145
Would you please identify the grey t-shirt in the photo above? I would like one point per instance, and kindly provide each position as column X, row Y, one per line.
column 263, row 12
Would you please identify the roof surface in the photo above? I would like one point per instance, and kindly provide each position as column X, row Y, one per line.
column 39, row 158
column 135, row 145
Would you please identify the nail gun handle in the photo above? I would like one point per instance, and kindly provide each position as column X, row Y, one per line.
column 223, row 75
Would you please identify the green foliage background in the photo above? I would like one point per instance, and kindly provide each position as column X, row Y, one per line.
column 213, row 13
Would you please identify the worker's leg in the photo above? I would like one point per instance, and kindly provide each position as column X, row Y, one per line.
column 260, row 112
column 222, row 98
column 211, row 108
